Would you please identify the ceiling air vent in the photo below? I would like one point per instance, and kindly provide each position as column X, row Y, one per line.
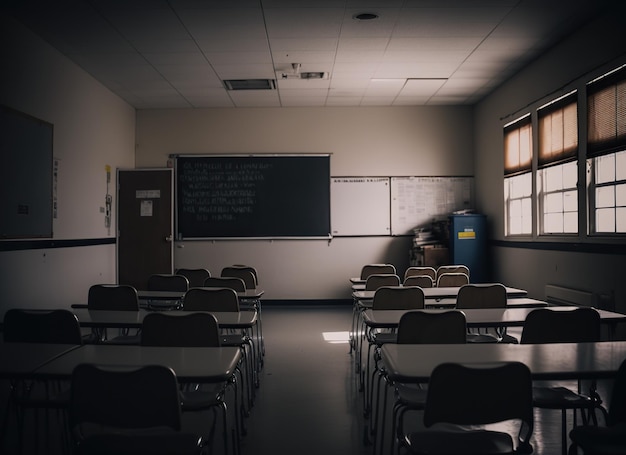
column 250, row 84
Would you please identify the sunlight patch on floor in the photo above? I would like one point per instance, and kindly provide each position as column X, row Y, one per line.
column 336, row 337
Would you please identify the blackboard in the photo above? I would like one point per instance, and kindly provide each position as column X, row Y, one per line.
column 26, row 176
column 257, row 196
column 417, row 201
column 360, row 206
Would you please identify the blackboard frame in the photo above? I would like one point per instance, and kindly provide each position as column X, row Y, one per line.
column 252, row 196
column 26, row 176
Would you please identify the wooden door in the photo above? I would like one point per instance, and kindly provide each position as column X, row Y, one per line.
column 144, row 225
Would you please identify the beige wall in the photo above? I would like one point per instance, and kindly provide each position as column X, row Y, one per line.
column 92, row 128
column 373, row 141
column 592, row 51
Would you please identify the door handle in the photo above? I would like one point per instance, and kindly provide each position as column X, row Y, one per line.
column 169, row 238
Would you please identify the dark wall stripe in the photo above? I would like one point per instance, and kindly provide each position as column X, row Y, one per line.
column 16, row 245
column 571, row 247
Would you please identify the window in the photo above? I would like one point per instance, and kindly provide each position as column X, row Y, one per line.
column 606, row 153
column 608, row 192
column 557, row 176
column 518, row 178
column 517, row 194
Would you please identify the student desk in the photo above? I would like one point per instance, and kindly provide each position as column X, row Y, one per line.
column 437, row 293
column 479, row 317
column 413, row 363
column 19, row 360
column 134, row 319
column 191, row 364
column 164, row 300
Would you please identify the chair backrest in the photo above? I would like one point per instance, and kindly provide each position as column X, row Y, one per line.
column 146, row 397
column 245, row 273
column 544, row 325
column 231, row 282
column 211, row 299
column 420, row 271
column 189, row 330
column 249, row 268
column 398, row 298
column 480, row 394
column 371, row 269
column 617, row 403
column 41, row 326
column 452, row 279
column 118, row 297
column 453, row 268
column 420, row 327
column 195, row 277
column 167, row 282
column 377, row 280
column 481, row 296
column 423, row 281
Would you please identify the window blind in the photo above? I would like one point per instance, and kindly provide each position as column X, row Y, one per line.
column 606, row 114
column 518, row 146
column 558, row 131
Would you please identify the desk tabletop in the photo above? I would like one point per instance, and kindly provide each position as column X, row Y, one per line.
column 437, row 293
column 249, row 294
column 551, row 361
column 450, row 303
column 134, row 319
column 195, row 364
column 21, row 359
column 478, row 317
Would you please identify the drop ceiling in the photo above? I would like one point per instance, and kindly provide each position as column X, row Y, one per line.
column 177, row 53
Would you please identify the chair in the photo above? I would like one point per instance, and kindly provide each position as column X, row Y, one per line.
column 246, row 273
column 195, row 277
column 423, row 281
column 452, row 279
column 609, row 439
column 38, row 326
column 166, row 282
column 237, row 284
column 377, row 280
column 387, row 298
column 250, row 277
column 125, row 411
column 190, row 330
column 463, row 396
column 454, row 268
column 225, row 300
column 371, row 269
column 421, row 271
column 484, row 296
column 580, row 325
column 112, row 297
column 420, row 327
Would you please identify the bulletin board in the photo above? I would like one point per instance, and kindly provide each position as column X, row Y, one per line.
column 417, row 201
column 360, row 206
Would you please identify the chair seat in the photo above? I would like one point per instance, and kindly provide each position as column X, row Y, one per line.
column 460, row 441
column 410, row 395
column 385, row 337
column 600, row 440
column 559, row 398
column 198, row 400
column 162, row 442
column 481, row 338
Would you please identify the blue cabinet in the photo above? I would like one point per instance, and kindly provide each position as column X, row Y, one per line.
column 468, row 244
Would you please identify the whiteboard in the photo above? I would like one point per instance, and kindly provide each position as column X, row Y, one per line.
column 360, row 206
column 417, row 201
